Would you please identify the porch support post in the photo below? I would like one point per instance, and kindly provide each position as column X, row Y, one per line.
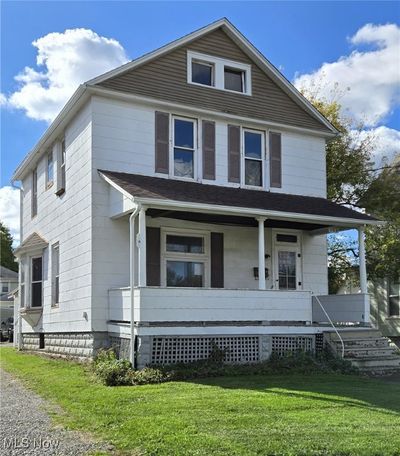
column 261, row 253
column 132, row 219
column 141, row 243
column 363, row 267
column 363, row 274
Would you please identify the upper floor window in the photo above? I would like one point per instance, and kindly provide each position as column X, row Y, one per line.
column 49, row 169
column 34, row 192
column 61, row 169
column 183, row 147
column 219, row 73
column 202, row 73
column 253, row 147
column 234, row 79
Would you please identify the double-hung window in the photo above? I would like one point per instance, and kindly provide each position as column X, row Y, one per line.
column 184, row 146
column 186, row 260
column 55, row 273
column 61, row 160
column 253, row 152
column 36, row 281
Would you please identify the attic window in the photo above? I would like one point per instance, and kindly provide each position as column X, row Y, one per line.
column 218, row 73
column 202, row 73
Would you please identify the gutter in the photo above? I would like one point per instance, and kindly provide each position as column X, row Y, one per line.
column 132, row 280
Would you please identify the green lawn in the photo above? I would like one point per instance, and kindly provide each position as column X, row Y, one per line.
column 255, row 415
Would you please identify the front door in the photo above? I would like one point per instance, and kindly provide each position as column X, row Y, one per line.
column 287, row 268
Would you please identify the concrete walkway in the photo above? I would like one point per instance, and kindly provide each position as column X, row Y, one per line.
column 26, row 428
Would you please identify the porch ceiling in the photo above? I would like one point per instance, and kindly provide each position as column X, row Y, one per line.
column 220, row 219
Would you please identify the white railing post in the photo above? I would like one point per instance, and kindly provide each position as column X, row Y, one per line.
column 261, row 253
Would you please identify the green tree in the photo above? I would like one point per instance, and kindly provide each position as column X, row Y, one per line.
column 7, row 253
column 353, row 180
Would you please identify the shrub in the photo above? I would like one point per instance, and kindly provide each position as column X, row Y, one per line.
column 112, row 371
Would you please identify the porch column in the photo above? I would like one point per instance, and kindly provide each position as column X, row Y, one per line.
column 363, row 268
column 363, row 274
column 261, row 253
column 141, row 243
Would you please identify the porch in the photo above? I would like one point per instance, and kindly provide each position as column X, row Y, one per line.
column 162, row 306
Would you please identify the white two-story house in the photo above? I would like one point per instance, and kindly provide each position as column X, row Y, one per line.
column 180, row 199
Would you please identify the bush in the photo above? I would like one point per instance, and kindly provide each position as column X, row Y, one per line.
column 113, row 372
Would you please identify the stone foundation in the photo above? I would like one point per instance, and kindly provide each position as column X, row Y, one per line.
column 75, row 345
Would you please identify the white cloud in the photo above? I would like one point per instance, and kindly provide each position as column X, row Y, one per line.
column 386, row 143
column 64, row 60
column 9, row 210
column 370, row 79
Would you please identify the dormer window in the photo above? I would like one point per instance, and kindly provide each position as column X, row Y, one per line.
column 218, row 73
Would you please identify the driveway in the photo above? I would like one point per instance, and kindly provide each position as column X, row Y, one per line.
column 26, row 428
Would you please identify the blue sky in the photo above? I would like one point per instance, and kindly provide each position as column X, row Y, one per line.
column 297, row 37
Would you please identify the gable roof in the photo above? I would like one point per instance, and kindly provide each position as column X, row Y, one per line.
column 33, row 242
column 84, row 91
column 245, row 45
column 6, row 273
column 156, row 189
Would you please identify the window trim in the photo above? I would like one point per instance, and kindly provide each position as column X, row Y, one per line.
column 61, row 167
column 219, row 72
column 49, row 182
column 195, row 149
column 204, row 258
column 243, row 158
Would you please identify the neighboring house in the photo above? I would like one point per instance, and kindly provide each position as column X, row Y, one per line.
column 8, row 280
column 385, row 304
column 8, row 283
column 161, row 193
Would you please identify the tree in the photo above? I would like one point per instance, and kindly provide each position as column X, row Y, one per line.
column 353, row 180
column 383, row 242
column 7, row 253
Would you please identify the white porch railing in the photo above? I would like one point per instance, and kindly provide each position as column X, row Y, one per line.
column 157, row 304
column 344, row 308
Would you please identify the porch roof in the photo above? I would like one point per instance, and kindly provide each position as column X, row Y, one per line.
column 147, row 188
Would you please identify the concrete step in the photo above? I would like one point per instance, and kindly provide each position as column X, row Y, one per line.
column 356, row 334
column 367, row 352
column 376, row 362
column 381, row 342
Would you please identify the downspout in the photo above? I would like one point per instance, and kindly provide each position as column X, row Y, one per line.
column 132, row 280
column 17, row 312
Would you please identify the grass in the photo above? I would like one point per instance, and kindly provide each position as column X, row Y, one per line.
column 255, row 415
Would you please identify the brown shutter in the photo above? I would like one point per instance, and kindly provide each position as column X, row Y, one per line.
column 275, row 163
column 162, row 142
column 217, row 260
column 233, row 153
column 153, row 251
column 208, row 149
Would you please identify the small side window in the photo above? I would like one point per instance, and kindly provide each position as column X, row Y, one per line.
column 37, row 282
column 34, row 192
column 61, row 170
column 49, row 169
